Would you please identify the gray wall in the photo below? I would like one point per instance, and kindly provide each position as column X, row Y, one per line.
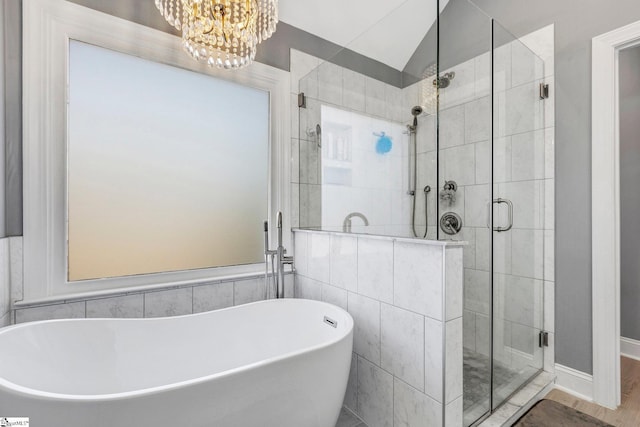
column 577, row 22
column 629, row 194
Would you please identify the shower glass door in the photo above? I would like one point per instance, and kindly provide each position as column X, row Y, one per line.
column 464, row 187
column 491, row 195
column 518, row 214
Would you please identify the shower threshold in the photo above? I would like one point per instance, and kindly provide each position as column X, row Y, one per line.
column 507, row 381
column 520, row 402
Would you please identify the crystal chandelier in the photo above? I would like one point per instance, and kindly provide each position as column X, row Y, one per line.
column 222, row 33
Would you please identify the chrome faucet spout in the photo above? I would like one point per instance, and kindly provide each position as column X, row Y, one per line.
column 346, row 224
column 279, row 225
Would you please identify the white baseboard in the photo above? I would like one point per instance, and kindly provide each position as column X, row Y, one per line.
column 630, row 348
column 574, row 382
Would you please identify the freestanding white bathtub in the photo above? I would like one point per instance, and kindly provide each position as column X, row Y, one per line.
column 273, row 363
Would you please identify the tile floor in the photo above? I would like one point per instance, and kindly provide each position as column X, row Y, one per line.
column 477, row 376
column 477, row 372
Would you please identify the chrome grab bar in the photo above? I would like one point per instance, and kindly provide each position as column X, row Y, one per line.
column 510, row 218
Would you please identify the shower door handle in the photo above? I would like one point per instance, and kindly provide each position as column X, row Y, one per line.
column 509, row 204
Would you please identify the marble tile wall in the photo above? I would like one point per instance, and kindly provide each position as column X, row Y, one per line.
column 524, row 173
column 406, row 300
column 427, row 156
column 159, row 303
column 5, row 280
column 313, row 204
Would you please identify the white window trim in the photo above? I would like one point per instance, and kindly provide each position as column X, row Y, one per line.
column 48, row 27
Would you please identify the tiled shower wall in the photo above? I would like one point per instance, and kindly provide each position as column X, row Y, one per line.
column 405, row 296
column 386, row 206
column 524, row 158
column 524, row 172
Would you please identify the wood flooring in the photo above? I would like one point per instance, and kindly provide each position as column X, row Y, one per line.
column 627, row 415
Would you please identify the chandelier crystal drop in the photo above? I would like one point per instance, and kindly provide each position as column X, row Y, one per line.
column 222, row 33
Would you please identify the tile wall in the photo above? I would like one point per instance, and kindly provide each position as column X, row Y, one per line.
column 523, row 157
column 153, row 303
column 5, row 282
column 524, row 173
column 405, row 296
column 160, row 303
column 371, row 183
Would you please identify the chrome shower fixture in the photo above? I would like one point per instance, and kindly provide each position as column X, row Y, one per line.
column 415, row 112
column 346, row 224
column 448, row 192
column 444, row 80
column 413, row 172
column 450, row 185
column 316, row 134
column 451, row 223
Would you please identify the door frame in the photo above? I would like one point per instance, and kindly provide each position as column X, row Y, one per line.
column 605, row 209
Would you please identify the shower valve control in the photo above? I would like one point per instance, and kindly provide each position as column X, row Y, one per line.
column 451, row 223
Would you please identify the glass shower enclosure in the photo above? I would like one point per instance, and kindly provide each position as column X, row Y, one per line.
column 450, row 146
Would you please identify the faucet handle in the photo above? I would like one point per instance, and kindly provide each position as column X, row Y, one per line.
column 287, row 260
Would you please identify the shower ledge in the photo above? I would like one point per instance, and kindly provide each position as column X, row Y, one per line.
column 448, row 243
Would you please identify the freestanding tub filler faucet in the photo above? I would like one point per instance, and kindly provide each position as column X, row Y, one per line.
column 280, row 259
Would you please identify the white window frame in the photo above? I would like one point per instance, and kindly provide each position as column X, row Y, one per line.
column 48, row 27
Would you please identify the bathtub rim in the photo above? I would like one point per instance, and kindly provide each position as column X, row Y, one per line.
column 16, row 388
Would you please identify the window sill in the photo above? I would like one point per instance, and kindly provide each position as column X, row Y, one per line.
column 252, row 271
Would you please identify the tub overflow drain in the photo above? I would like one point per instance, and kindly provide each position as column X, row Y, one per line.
column 330, row 321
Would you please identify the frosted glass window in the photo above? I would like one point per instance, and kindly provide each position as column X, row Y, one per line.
column 167, row 168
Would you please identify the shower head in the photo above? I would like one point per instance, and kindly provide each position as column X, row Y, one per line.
column 444, row 80
column 415, row 112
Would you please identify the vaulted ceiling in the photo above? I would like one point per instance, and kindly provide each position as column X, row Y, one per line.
column 388, row 31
